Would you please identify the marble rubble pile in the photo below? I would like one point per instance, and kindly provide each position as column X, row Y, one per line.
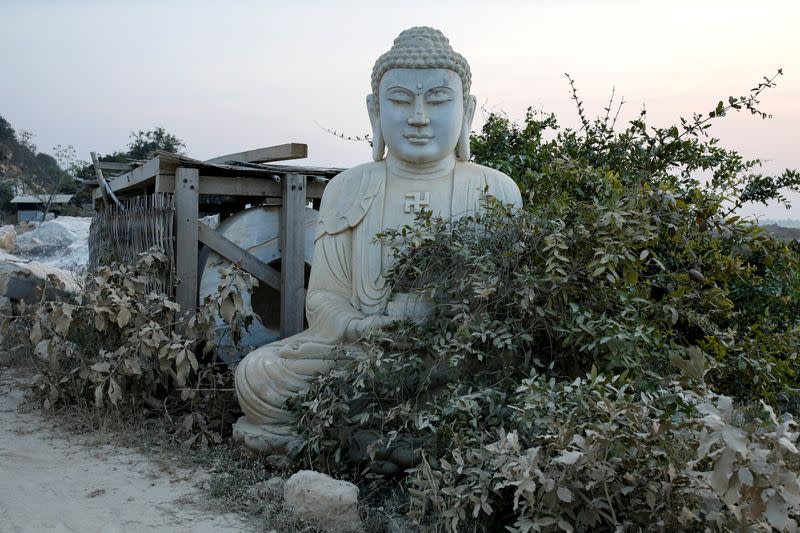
column 41, row 257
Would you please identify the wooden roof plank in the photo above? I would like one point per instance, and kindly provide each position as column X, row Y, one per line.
column 114, row 166
column 281, row 152
column 138, row 177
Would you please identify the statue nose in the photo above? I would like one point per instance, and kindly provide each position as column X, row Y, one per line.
column 420, row 118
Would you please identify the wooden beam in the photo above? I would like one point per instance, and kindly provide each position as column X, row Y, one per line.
column 281, row 152
column 187, row 193
column 266, row 186
column 139, row 176
column 292, row 230
column 105, row 190
column 239, row 256
column 227, row 186
column 165, row 183
column 111, row 165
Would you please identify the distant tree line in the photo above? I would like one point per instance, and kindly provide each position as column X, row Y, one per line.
column 142, row 144
column 26, row 170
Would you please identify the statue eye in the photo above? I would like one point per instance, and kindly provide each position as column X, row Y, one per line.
column 438, row 97
column 400, row 98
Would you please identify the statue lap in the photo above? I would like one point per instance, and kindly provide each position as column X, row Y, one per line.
column 265, row 379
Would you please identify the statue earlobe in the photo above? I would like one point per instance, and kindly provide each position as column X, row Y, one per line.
column 462, row 148
column 378, row 144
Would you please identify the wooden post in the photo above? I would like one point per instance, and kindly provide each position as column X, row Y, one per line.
column 292, row 253
column 187, row 193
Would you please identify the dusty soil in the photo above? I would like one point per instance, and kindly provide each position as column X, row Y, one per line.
column 58, row 481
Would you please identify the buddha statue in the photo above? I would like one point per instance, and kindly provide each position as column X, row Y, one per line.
column 420, row 110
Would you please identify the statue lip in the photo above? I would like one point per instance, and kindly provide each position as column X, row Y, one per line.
column 420, row 138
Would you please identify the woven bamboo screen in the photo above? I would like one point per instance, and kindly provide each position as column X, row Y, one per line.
column 121, row 235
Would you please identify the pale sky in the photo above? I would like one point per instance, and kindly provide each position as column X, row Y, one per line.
column 226, row 77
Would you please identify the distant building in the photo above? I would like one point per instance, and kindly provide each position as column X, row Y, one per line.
column 31, row 206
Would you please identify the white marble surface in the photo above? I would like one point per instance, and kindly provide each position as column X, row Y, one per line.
column 421, row 113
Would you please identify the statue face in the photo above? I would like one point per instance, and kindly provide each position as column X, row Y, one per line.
column 421, row 113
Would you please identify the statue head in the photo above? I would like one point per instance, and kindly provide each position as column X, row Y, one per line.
column 420, row 107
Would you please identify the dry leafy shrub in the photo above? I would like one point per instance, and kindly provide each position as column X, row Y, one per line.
column 117, row 346
column 595, row 454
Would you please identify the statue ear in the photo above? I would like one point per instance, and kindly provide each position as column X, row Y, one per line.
column 462, row 147
column 378, row 144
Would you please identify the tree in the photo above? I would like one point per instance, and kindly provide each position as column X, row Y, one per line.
column 6, row 195
column 6, row 131
column 141, row 146
column 35, row 172
column 143, row 143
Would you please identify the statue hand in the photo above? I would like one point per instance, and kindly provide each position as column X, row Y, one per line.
column 362, row 326
column 306, row 350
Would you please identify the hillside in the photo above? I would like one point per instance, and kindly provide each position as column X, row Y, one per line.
column 783, row 222
column 781, row 232
column 23, row 168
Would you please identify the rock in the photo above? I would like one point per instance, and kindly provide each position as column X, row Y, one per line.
column 6, row 306
column 8, row 238
column 56, row 234
column 275, row 485
column 42, row 350
column 62, row 242
column 323, row 501
column 399, row 524
column 49, row 236
column 21, row 281
column 26, row 226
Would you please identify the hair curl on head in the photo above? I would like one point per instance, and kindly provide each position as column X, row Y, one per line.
column 422, row 47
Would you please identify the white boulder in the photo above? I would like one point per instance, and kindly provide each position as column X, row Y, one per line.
column 58, row 233
column 8, row 237
column 322, row 501
column 62, row 242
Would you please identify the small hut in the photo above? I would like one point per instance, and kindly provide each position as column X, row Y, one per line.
column 32, row 206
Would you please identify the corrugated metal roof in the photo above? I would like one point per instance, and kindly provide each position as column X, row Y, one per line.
column 41, row 199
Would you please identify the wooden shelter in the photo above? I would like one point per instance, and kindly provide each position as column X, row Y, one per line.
column 223, row 185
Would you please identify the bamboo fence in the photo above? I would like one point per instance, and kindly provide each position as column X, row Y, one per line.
column 120, row 235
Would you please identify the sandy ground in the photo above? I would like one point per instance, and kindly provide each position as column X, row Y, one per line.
column 54, row 481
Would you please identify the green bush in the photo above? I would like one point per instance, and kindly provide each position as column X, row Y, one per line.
column 622, row 261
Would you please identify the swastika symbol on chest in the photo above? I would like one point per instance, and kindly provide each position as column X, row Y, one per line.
column 415, row 201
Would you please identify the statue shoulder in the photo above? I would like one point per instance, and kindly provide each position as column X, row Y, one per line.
column 499, row 185
column 349, row 181
column 349, row 195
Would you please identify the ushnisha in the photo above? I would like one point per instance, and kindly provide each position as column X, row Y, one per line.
column 421, row 111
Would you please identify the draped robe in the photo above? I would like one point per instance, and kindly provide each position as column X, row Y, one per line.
column 347, row 283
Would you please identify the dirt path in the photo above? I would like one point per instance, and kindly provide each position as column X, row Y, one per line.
column 53, row 481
